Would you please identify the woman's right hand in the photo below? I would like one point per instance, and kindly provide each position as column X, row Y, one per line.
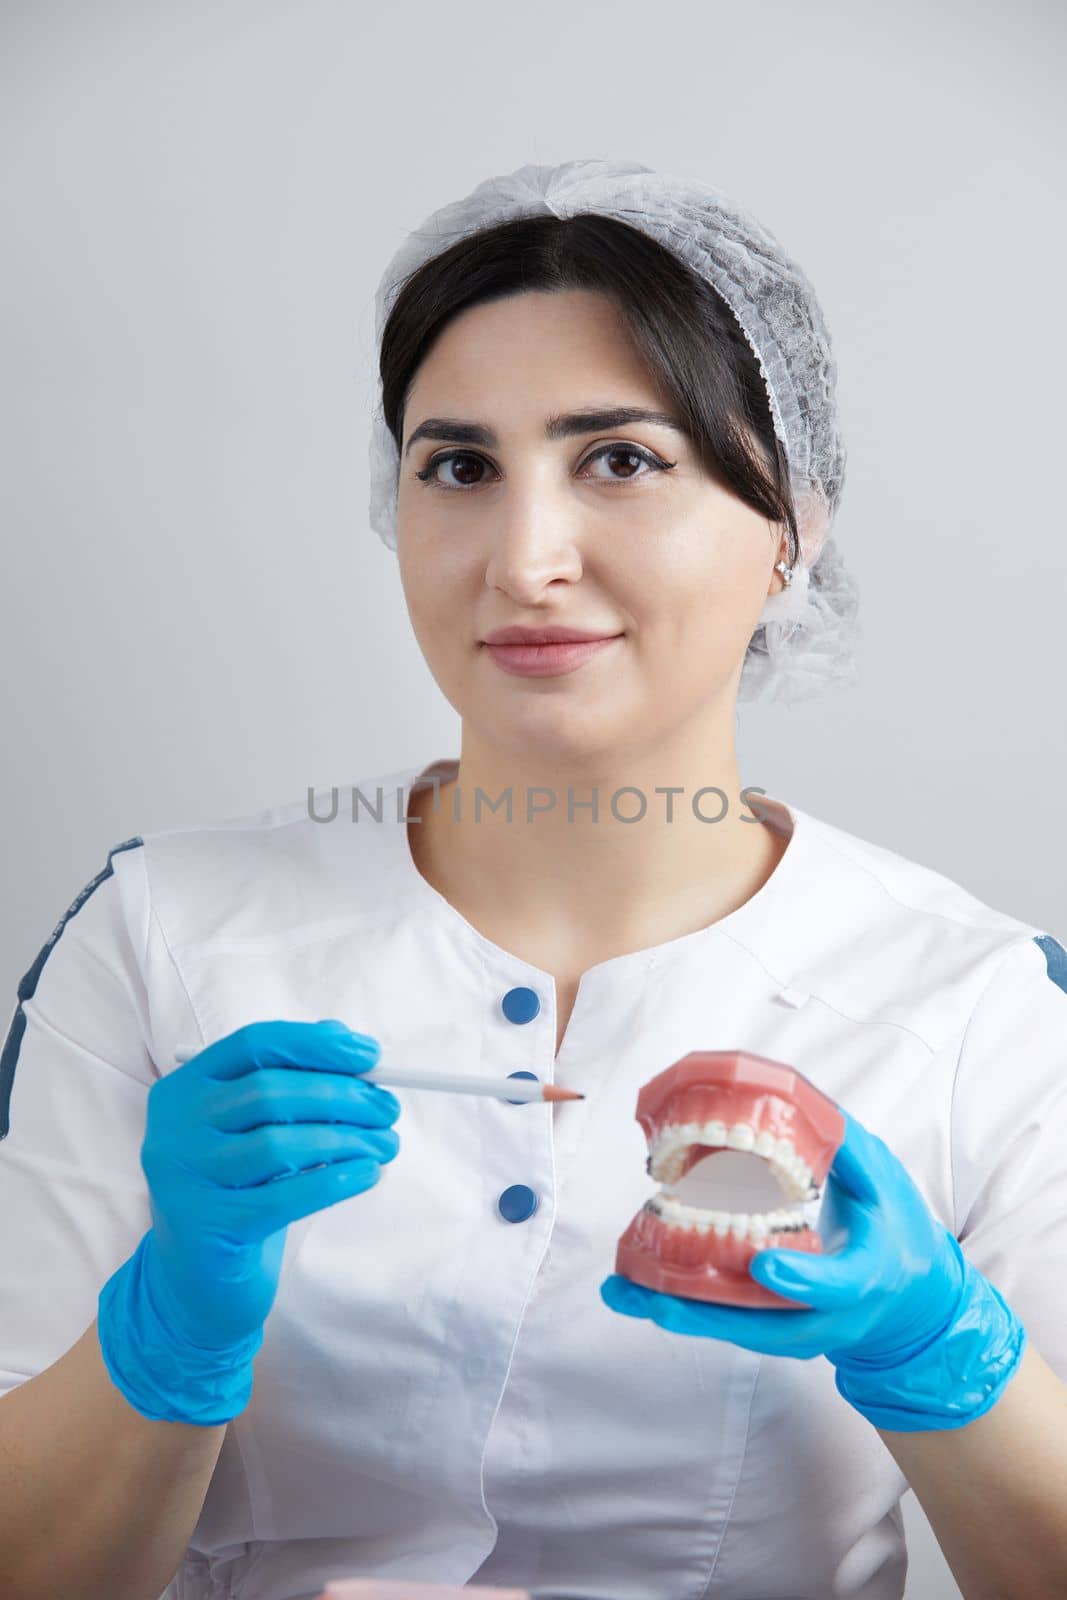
column 269, row 1124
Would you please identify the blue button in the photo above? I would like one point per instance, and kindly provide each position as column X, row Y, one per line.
column 517, row 1203
column 520, row 1005
column 535, row 1078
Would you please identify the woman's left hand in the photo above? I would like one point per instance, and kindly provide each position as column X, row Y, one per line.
column 919, row 1338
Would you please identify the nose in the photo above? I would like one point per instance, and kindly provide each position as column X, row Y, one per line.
column 533, row 543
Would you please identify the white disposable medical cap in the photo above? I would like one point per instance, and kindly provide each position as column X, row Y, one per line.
column 806, row 634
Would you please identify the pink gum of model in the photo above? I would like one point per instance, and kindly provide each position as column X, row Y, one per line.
column 394, row 1589
column 730, row 1087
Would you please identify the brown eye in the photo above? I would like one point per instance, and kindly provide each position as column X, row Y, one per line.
column 627, row 453
column 463, row 457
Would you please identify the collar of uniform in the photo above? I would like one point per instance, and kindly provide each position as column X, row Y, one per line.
column 778, row 925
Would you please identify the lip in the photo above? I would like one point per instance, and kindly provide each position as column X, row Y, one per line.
column 556, row 634
column 547, row 660
column 681, row 1245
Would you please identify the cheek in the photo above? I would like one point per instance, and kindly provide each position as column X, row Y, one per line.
column 698, row 599
column 438, row 585
column 665, row 577
column 430, row 555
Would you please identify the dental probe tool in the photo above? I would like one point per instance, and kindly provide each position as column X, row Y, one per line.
column 524, row 1089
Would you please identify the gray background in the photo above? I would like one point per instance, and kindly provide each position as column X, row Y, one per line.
column 199, row 200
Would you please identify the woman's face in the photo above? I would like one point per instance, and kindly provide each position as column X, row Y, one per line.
column 533, row 530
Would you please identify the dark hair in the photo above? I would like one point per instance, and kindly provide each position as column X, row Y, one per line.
column 685, row 332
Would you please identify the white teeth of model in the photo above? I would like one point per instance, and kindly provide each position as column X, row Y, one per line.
column 764, row 1145
column 784, row 1152
column 794, row 1173
column 799, row 1175
column 784, row 1218
column 755, row 1226
column 680, row 1134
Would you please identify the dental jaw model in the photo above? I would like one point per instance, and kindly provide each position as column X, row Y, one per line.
column 741, row 1147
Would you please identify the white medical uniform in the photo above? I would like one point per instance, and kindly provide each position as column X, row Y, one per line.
column 441, row 1393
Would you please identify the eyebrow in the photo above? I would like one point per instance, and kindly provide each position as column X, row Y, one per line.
column 591, row 420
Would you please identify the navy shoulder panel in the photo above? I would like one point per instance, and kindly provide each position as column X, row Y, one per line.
column 10, row 1054
column 1055, row 960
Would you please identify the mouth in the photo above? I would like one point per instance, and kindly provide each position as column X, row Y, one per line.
column 741, row 1147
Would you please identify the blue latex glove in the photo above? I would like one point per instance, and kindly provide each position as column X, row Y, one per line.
column 919, row 1338
column 267, row 1125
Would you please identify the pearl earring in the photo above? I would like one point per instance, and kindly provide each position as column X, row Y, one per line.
column 787, row 572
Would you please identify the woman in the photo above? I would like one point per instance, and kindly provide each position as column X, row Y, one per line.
column 607, row 406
